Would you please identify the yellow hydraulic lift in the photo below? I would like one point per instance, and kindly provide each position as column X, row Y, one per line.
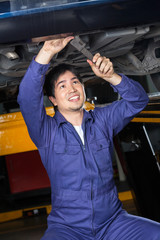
column 14, row 137
column 142, row 118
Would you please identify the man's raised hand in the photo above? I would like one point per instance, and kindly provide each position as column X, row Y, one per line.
column 50, row 48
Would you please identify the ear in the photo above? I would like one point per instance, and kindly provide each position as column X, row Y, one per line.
column 53, row 100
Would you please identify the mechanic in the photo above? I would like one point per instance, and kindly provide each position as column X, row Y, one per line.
column 76, row 148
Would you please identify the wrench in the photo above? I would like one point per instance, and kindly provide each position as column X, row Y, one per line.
column 80, row 46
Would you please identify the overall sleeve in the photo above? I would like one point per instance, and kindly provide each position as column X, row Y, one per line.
column 30, row 99
column 120, row 113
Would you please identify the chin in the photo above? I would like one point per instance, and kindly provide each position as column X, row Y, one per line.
column 77, row 108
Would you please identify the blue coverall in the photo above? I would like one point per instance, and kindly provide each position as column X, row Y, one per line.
column 85, row 202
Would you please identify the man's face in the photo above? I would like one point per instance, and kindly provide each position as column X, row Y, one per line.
column 69, row 93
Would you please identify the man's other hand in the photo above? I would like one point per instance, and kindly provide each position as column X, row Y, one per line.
column 103, row 68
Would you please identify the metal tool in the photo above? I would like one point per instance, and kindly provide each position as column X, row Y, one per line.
column 80, row 46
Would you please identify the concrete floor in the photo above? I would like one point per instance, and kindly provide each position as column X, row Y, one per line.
column 31, row 228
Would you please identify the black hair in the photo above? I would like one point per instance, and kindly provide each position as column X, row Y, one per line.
column 53, row 75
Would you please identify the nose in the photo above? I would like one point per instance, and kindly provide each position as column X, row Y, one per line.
column 71, row 88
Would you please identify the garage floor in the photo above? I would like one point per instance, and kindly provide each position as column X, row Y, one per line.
column 26, row 229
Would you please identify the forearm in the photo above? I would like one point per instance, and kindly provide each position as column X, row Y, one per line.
column 32, row 83
column 114, row 80
column 134, row 99
column 121, row 112
column 131, row 91
column 30, row 99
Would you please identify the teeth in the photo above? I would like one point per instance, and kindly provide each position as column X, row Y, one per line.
column 72, row 98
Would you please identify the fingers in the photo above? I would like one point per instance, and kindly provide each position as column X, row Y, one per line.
column 90, row 62
column 60, row 42
column 67, row 40
column 101, row 66
column 108, row 68
column 95, row 58
column 56, row 45
column 52, row 47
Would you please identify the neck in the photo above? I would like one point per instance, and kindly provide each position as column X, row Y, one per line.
column 75, row 117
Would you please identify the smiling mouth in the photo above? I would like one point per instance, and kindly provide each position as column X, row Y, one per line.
column 74, row 98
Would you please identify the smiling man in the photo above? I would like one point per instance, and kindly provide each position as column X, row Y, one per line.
column 69, row 95
column 76, row 148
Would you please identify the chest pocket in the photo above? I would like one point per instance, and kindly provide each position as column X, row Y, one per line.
column 101, row 152
column 67, row 163
column 66, row 149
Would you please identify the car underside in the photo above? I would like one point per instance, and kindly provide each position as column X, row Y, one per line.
column 133, row 47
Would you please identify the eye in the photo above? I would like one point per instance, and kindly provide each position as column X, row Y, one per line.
column 75, row 81
column 62, row 86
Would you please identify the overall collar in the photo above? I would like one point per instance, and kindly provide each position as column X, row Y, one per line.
column 60, row 119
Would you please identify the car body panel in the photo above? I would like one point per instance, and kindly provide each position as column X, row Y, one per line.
column 26, row 21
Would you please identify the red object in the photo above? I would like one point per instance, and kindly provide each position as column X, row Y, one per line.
column 26, row 172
